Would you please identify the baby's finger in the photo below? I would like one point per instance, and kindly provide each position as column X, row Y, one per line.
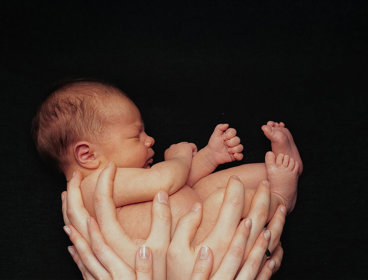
column 238, row 156
column 233, row 258
column 230, row 133
column 276, row 225
column 203, row 265
column 105, row 255
column 114, row 234
column 233, row 141
column 63, row 208
column 254, row 260
column 220, row 128
column 143, row 264
column 237, row 149
column 86, row 255
column 75, row 210
column 258, row 212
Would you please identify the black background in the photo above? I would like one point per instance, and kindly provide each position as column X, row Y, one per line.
column 190, row 65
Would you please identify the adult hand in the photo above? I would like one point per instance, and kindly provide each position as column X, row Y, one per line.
column 75, row 214
column 99, row 261
column 255, row 266
column 182, row 254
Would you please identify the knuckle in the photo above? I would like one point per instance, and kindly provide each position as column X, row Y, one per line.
column 237, row 251
column 165, row 217
column 70, row 213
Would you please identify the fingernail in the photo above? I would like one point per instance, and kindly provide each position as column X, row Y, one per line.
column 203, row 255
column 272, row 264
column 267, row 235
column 266, row 183
column 144, row 253
column 196, row 207
column 163, row 197
column 67, row 230
column 71, row 250
column 248, row 223
column 283, row 209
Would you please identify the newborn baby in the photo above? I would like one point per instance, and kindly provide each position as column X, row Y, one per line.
column 84, row 125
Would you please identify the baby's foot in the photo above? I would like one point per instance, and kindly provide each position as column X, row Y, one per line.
column 224, row 145
column 282, row 172
column 282, row 141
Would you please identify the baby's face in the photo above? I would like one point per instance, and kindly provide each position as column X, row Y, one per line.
column 124, row 140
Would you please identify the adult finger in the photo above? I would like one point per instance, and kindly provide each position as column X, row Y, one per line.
column 203, row 265
column 258, row 212
column 85, row 274
column 161, row 221
column 63, row 208
column 187, row 227
column 116, row 267
column 254, row 260
column 75, row 210
column 143, row 264
column 159, row 237
column 276, row 226
column 180, row 252
column 105, row 210
column 86, row 255
column 233, row 258
column 228, row 219
column 272, row 265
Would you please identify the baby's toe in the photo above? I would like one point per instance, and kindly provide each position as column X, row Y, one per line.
column 270, row 159
column 279, row 159
column 286, row 160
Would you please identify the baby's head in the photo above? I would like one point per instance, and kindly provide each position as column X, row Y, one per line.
column 83, row 125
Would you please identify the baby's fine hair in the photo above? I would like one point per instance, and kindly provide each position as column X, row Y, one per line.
column 70, row 113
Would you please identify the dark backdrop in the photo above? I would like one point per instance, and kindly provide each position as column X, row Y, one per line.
column 190, row 65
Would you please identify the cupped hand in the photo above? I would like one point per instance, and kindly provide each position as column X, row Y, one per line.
column 223, row 254
column 114, row 235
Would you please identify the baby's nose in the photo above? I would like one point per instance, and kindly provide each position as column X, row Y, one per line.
column 149, row 142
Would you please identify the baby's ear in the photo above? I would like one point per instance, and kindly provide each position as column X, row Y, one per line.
column 84, row 154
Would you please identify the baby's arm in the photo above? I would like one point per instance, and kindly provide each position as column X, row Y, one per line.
column 133, row 185
column 224, row 146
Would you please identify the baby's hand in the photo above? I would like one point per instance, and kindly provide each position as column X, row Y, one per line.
column 182, row 149
column 224, row 145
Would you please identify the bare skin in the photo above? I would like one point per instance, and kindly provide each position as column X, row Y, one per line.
column 282, row 141
column 282, row 172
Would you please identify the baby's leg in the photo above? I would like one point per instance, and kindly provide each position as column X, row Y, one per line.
column 282, row 174
column 282, row 141
column 250, row 175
